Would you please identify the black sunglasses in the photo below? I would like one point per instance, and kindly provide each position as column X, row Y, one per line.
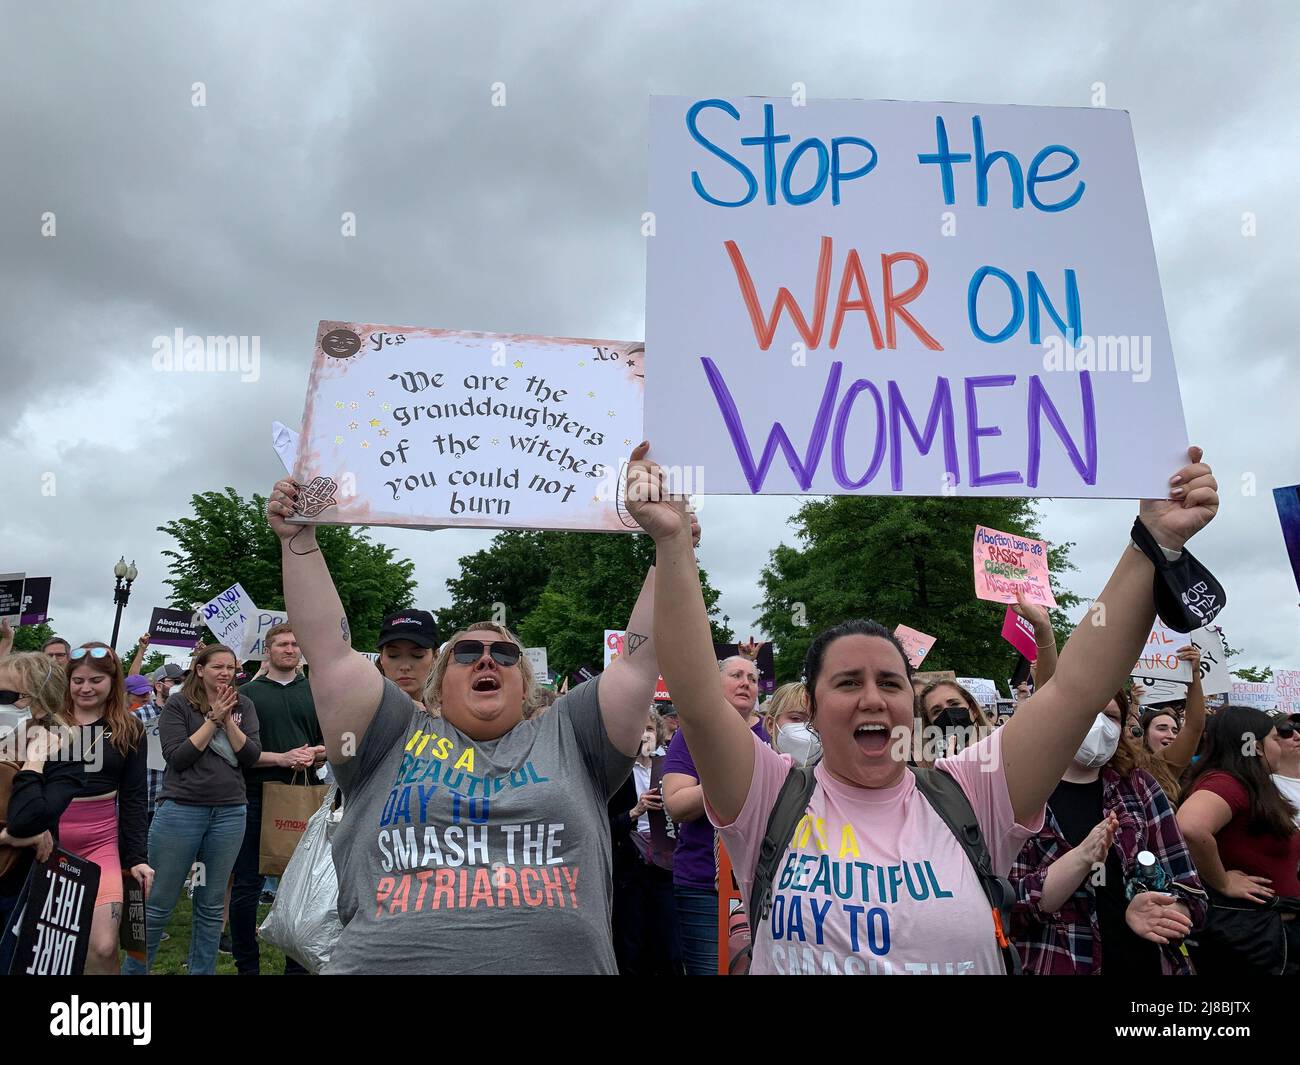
column 1285, row 732
column 467, row 652
column 8, row 698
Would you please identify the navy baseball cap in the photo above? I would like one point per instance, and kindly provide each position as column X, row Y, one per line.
column 415, row 625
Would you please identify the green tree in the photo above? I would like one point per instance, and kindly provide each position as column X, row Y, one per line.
column 900, row 561
column 557, row 590
column 1254, row 674
column 228, row 540
column 30, row 637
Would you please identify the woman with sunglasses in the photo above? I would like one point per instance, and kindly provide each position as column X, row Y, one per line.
column 474, row 838
column 108, row 820
column 1286, row 773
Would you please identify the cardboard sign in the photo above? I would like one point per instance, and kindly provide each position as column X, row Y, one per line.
column 1006, row 564
column 172, row 628
column 11, row 597
column 1250, row 693
column 1216, row 678
column 1287, row 501
column 1019, row 632
column 866, row 297
column 36, row 600
column 1160, row 659
column 434, row 428
column 916, row 644
column 537, row 658
column 1287, row 682
column 934, row 676
column 57, row 907
column 984, row 690
column 226, row 615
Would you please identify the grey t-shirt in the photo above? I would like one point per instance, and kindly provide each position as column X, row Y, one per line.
column 455, row 856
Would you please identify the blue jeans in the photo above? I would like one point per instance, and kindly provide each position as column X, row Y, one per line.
column 697, row 927
column 180, row 835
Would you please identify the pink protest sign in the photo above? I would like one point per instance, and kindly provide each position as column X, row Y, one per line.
column 1006, row 564
column 916, row 644
column 1018, row 632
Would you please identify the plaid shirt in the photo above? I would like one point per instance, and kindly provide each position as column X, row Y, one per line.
column 147, row 712
column 1069, row 941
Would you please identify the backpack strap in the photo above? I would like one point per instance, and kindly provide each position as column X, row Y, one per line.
column 791, row 802
column 943, row 793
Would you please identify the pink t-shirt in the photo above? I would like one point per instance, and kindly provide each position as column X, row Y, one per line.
column 874, row 882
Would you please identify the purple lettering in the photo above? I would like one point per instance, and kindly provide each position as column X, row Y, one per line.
column 842, row 477
column 1040, row 403
column 974, row 431
column 803, row 471
column 940, row 406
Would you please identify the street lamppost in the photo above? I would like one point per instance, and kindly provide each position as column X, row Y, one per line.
column 122, row 592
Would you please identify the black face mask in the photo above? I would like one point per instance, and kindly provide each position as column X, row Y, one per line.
column 952, row 717
column 1187, row 595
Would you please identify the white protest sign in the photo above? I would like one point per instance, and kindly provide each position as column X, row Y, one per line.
column 1160, row 659
column 866, row 297
column 1249, row 693
column 226, row 614
column 154, row 756
column 432, row 428
column 1216, row 678
column 537, row 659
column 984, row 690
column 260, row 622
column 613, row 645
column 1159, row 691
column 1287, row 682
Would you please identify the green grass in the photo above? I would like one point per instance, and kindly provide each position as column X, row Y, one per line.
column 174, row 952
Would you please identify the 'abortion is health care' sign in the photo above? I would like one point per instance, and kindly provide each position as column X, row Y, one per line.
column 856, row 297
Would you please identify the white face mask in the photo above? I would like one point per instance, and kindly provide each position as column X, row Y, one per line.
column 1099, row 745
column 800, row 742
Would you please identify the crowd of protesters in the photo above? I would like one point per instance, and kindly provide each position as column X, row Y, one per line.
column 584, row 831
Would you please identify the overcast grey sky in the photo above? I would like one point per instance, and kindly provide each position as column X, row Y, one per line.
column 225, row 219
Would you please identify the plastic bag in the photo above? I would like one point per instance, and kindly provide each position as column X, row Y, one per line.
column 304, row 919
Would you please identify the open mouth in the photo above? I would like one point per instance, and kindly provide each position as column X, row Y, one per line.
column 872, row 738
column 486, row 683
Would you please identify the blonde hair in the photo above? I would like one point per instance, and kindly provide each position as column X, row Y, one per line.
column 793, row 696
column 44, row 681
column 433, row 686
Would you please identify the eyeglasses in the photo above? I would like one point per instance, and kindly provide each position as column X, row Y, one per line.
column 78, row 653
column 467, row 652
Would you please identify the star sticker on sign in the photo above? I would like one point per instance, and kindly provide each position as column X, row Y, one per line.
column 352, row 425
column 374, row 423
column 610, row 413
column 383, row 432
column 519, row 364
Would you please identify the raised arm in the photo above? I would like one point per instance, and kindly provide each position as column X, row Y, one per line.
column 1179, row 753
column 628, row 685
column 1037, row 746
column 6, row 637
column 1044, row 636
column 719, row 740
column 345, row 686
column 141, row 646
